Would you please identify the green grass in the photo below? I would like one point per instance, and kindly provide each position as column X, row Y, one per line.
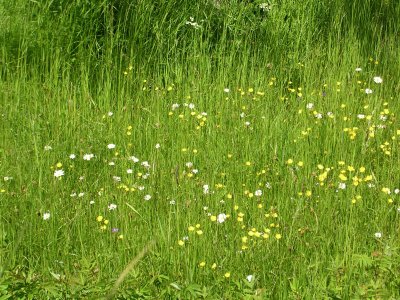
column 295, row 123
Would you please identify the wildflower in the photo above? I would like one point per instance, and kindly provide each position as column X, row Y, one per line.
column 202, row 264
column 88, row 156
column 110, row 113
column 310, row 105
column 358, row 69
column 134, row 159
column 368, row 91
column 112, row 206
column 249, row 278
column 145, row 164
column 378, row 79
column 206, row 189
column 114, row 230
column 227, row 275
column 278, row 236
column 378, row 235
column 81, row 194
column 226, row 90
column 172, row 202
column 181, row 243
column 147, row 197
column 214, row 265
column 221, row 218
column 121, row 236
column 47, row 148
column 91, row 202
column 129, row 171
column 157, row 146
column 72, row 156
column 111, row 146
column 46, row 216
column 258, row 193
column 58, row 173
column 99, row 218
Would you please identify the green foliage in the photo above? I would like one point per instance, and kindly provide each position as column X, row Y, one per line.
column 223, row 99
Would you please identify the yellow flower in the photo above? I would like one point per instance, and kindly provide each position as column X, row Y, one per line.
column 99, row 218
column 278, row 236
column 214, row 265
column 59, row 165
column 227, row 275
column 120, row 237
column 289, row 161
column 213, row 218
column 199, row 232
column 202, row 264
column 191, row 228
column 181, row 243
column 308, row 193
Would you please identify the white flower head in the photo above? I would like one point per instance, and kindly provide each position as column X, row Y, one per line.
column 310, row 105
column 47, row 148
column 361, row 116
column 378, row 235
column 158, row 146
column 145, row 164
column 112, row 206
column 134, row 159
column 258, row 193
column 88, row 156
column 129, row 171
column 111, row 146
column 249, row 278
column 175, row 106
column 46, row 216
column 72, row 156
column 368, row 91
column 58, row 173
column 378, row 79
column 206, row 189
column 110, row 113
column 147, row 197
column 358, row 69
column 226, row 90
column 342, row 186
column 221, row 218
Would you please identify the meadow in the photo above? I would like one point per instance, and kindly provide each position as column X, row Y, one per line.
column 214, row 149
